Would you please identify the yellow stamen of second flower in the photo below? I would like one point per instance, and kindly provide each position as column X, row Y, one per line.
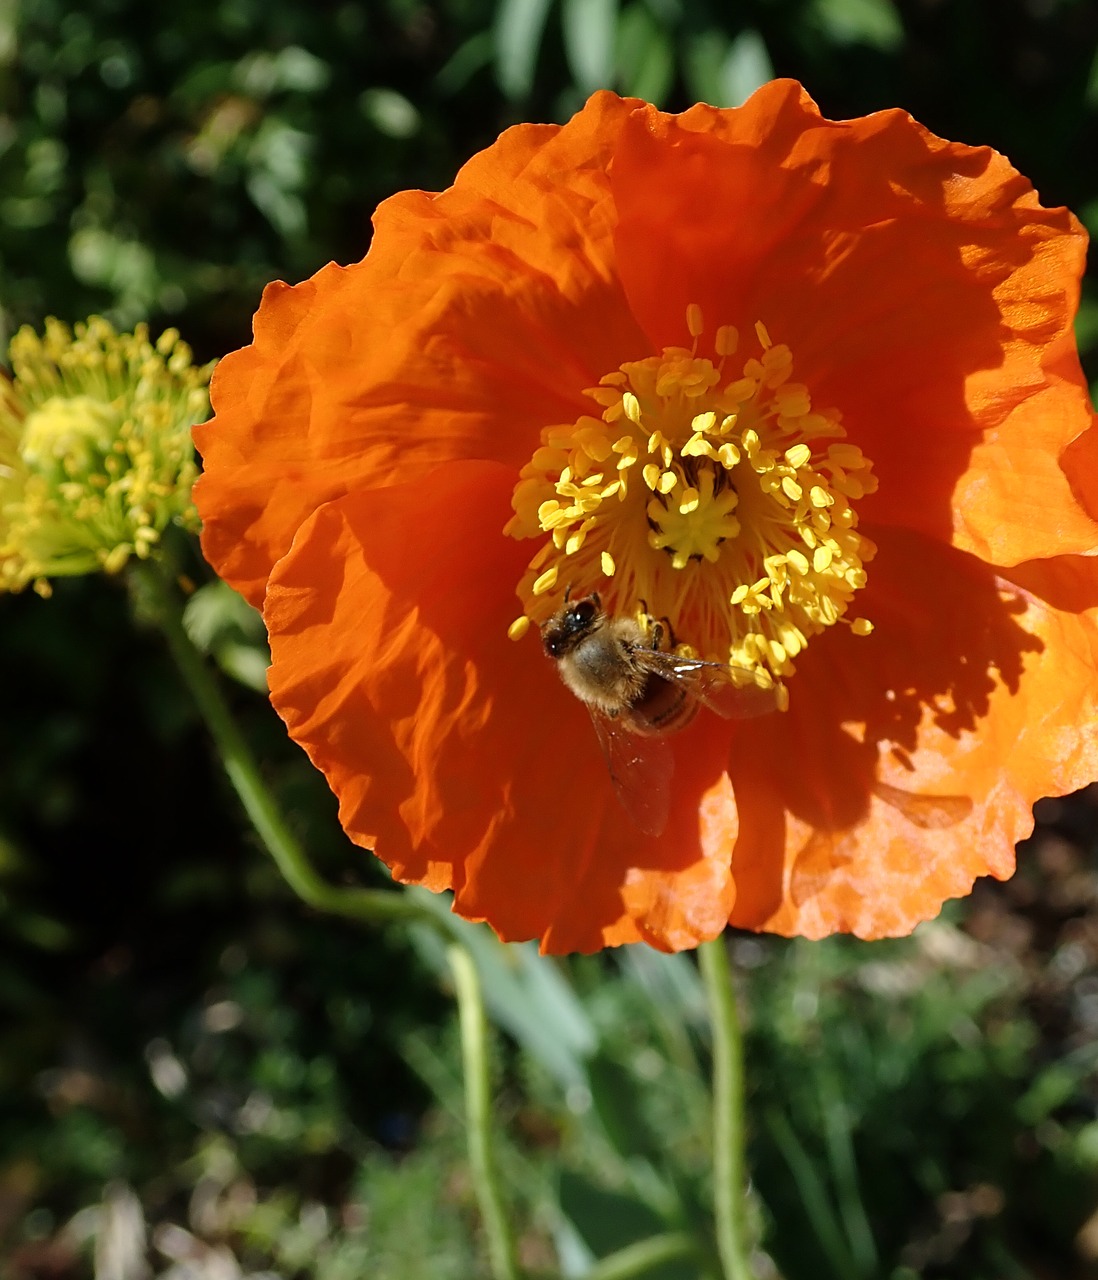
column 716, row 497
column 95, row 451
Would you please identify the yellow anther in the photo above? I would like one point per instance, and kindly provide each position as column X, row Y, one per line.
column 727, row 340
column 698, row 447
column 738, row 474
column 545, row 582
column 518, row 628
column 546, row 459
column 846, row 455
column 793, row 401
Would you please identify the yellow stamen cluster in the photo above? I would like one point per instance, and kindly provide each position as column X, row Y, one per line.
column 95, row 451
column 719, row 500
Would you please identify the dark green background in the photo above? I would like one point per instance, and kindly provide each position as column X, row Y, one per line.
column 162, row 163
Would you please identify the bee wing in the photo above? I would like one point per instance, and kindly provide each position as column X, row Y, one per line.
column 640, row 769
column 713, row 684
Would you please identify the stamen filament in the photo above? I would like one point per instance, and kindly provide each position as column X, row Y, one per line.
column 742, row 533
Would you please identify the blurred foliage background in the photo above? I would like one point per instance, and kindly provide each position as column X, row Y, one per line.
column 199, row 1078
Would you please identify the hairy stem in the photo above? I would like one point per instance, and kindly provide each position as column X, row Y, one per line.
column 729, row 1137
column 160, row 597
column 478, row 1112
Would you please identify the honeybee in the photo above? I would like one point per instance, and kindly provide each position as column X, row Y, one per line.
column 639, row 694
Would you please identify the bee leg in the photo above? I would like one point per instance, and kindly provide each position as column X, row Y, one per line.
column 660, row 630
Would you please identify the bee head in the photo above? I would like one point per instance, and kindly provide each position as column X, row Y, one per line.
column 566, row 629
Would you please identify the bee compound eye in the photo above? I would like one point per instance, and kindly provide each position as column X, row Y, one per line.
column 584, row 611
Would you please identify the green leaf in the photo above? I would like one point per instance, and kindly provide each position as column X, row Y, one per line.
column 390, row 112
column 223, row 624
column 525, row 993
column 747, row 66
column 467, row 59
column 725, row 73
column 518, row 31
column 1086, row 324
column 1057, row 1085
column 608, row 1220
column 668, row 979
column 871, row 22
column 590, row 27
column 646, row 63
column 815, row 1197
column 616, row 1102
column 216, row 610
column 703, row 61
column 291, row 70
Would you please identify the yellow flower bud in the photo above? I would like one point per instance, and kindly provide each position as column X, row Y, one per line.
column 95, row 449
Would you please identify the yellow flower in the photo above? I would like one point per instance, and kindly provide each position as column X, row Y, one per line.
column 95, row 453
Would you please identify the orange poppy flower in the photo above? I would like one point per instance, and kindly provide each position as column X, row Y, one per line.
column 805, row 390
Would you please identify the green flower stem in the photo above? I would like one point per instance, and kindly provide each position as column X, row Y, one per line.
column 160, row 597
column 729, row 1138
column 644, row 1256
column 478, row 1112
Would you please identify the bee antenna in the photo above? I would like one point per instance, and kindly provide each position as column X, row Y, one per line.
column 567, row 592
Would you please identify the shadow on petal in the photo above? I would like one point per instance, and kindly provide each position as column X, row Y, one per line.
column 457, row 753
column 865, row 806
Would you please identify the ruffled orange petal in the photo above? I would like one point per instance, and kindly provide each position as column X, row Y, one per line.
column 1080, row 463
column 923, row 290
column 365, row 449
column 909, row 761
column 478, row 316
column 458, row 753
